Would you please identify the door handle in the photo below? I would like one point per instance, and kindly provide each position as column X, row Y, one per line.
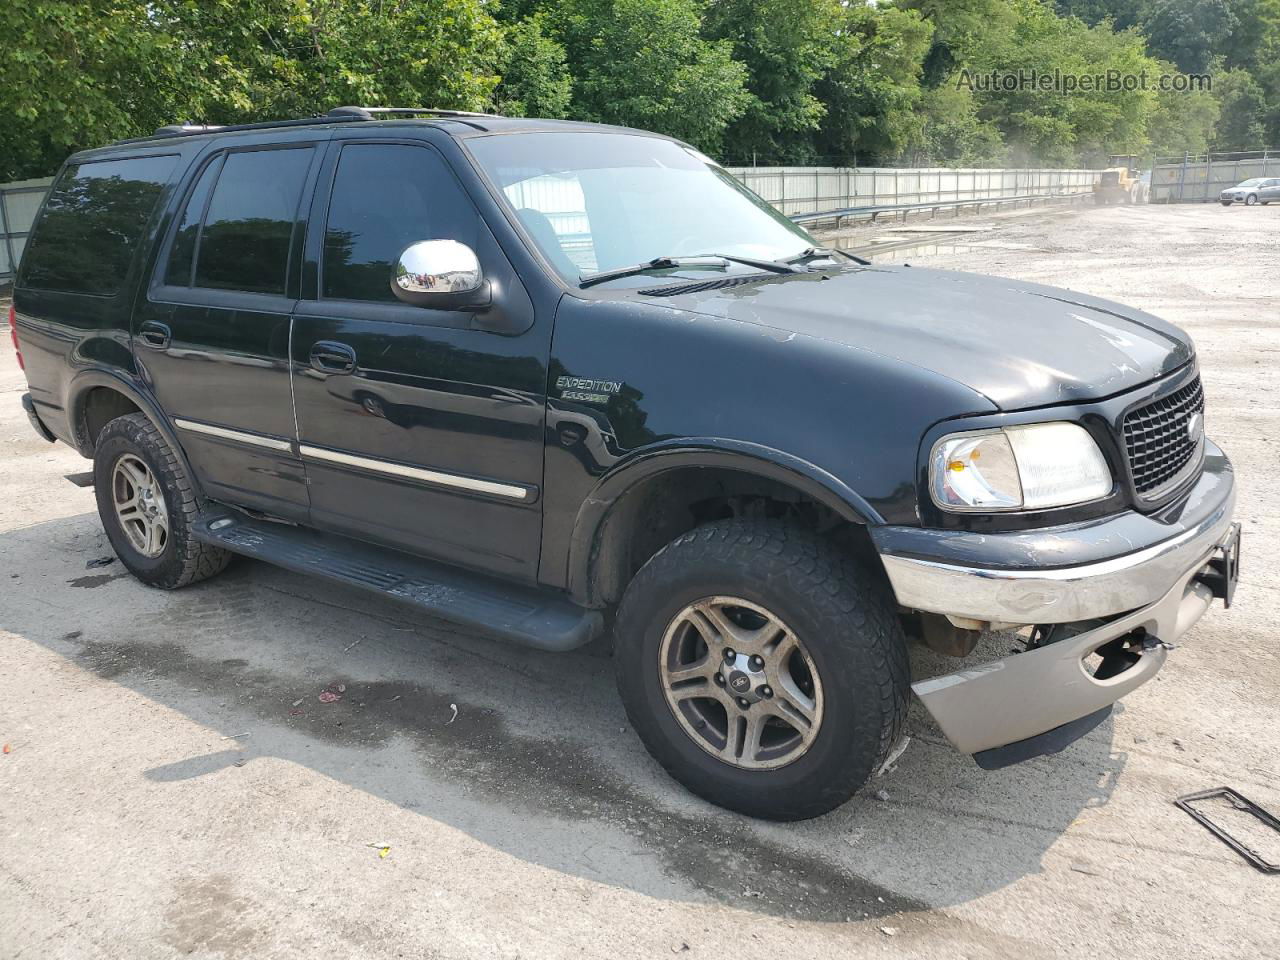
column 329, row 356
column 155, row 335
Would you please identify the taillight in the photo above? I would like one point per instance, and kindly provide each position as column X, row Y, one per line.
column 13, row 332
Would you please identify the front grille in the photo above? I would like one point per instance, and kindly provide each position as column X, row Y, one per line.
column 1161, row 440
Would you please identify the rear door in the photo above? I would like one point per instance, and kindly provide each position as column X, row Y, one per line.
column 213, row 332
column 1271, row 191
column 419, row 429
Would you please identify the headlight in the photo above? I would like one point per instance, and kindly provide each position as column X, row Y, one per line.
column 1029, row 467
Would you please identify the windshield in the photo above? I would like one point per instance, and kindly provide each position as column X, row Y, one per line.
column 1251, row 183
column 600, row 201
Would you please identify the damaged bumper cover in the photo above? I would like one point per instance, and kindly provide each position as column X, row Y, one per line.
column 1150, row 578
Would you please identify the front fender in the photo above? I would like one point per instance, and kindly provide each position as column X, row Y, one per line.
column 702, row 452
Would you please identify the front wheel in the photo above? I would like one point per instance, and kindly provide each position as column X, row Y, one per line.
column 147, row 506
column 762, row 668
column 1250, row 200
column 1225, row 203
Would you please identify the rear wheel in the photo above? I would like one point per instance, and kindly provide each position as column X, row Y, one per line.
column 762, row 668
column 147, row 506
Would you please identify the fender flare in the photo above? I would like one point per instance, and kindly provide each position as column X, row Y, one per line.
column 93, row 377
column 744, row 457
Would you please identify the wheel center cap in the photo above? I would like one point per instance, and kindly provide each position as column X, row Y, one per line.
column 743, row 680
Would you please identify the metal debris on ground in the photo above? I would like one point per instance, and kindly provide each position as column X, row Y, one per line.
column 383, row 849
column 882, row 795
column 236, row 736
column 454, row 708
column 1239, row 803
column 99, row 562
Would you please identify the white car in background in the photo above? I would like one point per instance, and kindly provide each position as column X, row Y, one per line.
column 1257, row 190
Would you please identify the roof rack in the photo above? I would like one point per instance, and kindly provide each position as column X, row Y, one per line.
column 372, row 113
column 336, row 115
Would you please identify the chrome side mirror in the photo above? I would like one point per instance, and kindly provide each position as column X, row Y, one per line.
column 438, row 273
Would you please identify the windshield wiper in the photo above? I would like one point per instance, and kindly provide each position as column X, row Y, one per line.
column 694, row 260
column 657, row 263
column 773, row 266
column 823, row 253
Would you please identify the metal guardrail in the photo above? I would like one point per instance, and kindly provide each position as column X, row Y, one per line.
column 872, row 212
column 806, row 190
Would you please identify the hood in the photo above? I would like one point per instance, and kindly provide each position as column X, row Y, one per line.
column 1019, row 344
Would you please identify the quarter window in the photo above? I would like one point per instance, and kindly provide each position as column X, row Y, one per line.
column 92, row 224
column 386, row 197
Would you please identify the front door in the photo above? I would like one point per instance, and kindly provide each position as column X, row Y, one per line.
column 213, row 330
column 418, row 429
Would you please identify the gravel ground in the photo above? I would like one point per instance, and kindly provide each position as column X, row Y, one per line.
column 173, row 785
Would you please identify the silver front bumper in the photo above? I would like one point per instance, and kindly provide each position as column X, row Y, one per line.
column 1156, row 592
column 1022, row 696
column 1058, row 595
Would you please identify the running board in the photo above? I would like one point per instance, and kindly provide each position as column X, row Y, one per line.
column 519, row 614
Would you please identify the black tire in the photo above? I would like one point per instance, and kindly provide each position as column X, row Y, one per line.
column 184, row 559
column 1225, row 203
column 1250, row 200
column 845, row 617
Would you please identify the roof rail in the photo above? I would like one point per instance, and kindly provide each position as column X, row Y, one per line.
column 368, row 113
column 336, row 115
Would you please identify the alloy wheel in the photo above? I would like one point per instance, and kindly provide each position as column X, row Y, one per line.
column 740, row 683
column 140, row 507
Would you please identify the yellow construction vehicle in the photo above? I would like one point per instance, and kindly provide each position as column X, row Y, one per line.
column 1120, row 183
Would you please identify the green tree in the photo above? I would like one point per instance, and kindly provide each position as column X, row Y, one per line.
column 954, row 133
column 786, row 46
column 535, row 78
column 79, row 74
column 1243, row 112
column 643, row 63
column 873, row 90
column 1188, row 32
column 961, row 29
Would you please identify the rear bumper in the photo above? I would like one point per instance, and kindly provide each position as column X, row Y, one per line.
column 1146, row 598
column 36, row 423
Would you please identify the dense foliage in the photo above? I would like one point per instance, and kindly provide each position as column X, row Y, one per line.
column 769, row 81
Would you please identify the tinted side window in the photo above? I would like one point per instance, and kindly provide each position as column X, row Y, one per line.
column 182, row 253
column 92, row 224
column 385, row 197
column 244, row 243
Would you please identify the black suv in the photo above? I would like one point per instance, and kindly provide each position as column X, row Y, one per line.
column 553, row 380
